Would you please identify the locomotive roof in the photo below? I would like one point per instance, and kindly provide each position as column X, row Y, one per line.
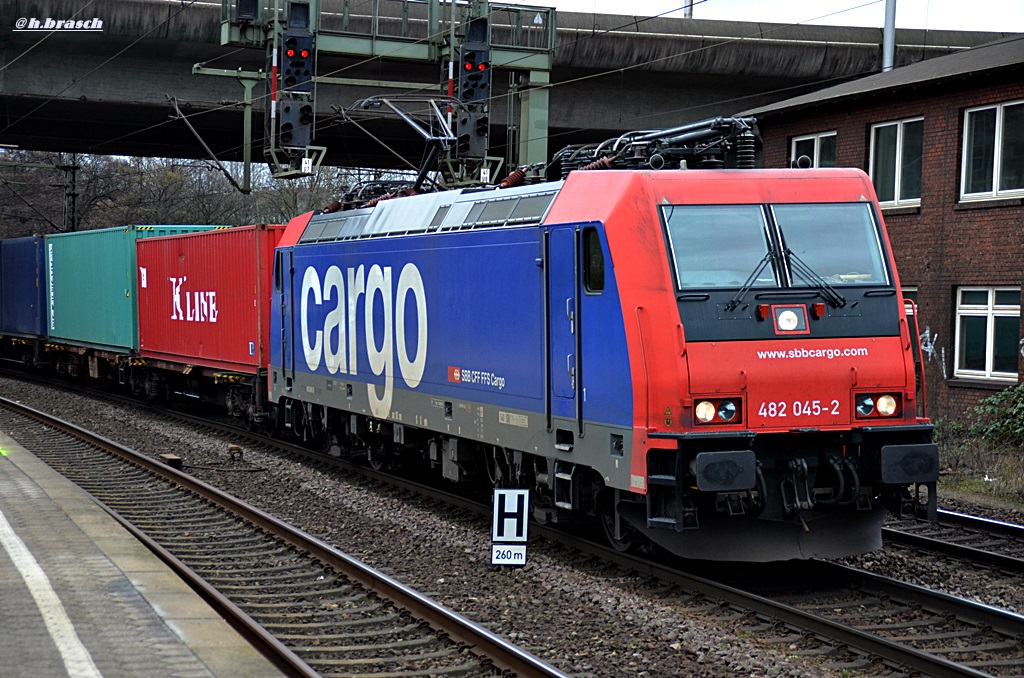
column 446, row 211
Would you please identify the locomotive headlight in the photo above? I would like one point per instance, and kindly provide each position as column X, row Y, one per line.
column 705, row 411
column 788, row 321
column 886, row 405
column 865, row 406
column 727, row 410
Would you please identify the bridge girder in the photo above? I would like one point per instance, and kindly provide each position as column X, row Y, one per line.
column 107, row 92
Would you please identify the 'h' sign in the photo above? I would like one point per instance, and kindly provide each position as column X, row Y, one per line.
column 508, row 528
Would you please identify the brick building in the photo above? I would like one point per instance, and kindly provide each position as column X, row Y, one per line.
column 943, row 141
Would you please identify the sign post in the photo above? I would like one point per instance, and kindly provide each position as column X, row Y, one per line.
column 508, row 527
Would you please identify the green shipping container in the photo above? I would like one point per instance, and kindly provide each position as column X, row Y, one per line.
column 91, row 285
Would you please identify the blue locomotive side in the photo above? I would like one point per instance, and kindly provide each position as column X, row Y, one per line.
column 492, row 335
column 455, row 315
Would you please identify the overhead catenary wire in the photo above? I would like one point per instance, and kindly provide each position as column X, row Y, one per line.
column 42, row 39
column 185, row 5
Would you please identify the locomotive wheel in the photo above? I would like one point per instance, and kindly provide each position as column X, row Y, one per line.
column 629, row 540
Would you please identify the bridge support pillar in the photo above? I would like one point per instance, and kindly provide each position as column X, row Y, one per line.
column 533, row 118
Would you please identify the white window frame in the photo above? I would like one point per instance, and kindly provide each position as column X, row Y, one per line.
column 994, row 193
column 990, row 311
column 909, row 202
column 910, row 308
column 817, row 146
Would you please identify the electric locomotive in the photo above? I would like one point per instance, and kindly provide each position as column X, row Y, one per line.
column 717, row 361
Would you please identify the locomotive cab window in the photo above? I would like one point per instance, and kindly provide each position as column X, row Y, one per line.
column 719, row 245
column 837, row 242
column 593, row 262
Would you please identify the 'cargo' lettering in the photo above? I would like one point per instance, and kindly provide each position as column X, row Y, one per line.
column 329, row 344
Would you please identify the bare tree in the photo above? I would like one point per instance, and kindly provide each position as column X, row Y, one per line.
column 115, row 191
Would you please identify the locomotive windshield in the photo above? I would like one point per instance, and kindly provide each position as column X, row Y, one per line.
column 719, row 245
column 795, row 245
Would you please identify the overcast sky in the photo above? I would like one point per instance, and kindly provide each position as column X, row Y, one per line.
column 969, row 15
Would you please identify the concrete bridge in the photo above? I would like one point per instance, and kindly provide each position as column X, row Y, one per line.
column 107, row 91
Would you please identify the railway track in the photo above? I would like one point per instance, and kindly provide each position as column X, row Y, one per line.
column 860, row 622
column 855, row 620
column 310, row 608
column 928, row 631
column 970, row 538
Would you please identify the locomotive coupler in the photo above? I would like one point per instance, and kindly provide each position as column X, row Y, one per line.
column 796, row 493
column 839, row 489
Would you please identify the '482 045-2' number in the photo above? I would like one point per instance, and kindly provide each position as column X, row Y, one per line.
column 798, row 408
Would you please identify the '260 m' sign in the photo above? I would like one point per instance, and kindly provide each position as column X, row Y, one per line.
column 335, row 343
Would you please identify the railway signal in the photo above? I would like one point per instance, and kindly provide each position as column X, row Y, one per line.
column 473, row 128
column 474, row 73
column 295, row 119
column 297, row 52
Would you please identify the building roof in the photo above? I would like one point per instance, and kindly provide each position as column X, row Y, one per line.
column 1007, row 52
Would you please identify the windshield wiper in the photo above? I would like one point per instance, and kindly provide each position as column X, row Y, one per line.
column 807, row 272
column 742, row 291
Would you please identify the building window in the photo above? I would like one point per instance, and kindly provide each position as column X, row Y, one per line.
column 987, row 332
column 993, row 164
column 910, row 306
column 896, row 161
column 910, row 300
column 820, row 149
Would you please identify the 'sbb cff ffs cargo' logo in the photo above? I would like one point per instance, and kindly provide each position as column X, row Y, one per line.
column 336, row 340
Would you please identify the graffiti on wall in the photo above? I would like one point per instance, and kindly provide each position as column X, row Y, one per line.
column 931, row 349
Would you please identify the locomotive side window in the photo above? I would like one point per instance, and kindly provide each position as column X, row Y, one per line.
column 313, row 231
column 531, row 208
column 278, row 273
column 593, row 261
column 719, row 245
column 838, row 242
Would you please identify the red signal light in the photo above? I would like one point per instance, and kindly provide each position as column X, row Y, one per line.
column 468, row 65
column 289, row 52
column 482, row 67
column 304, row 54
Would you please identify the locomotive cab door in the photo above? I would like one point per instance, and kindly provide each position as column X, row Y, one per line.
column 563, row 333
column 283, row 270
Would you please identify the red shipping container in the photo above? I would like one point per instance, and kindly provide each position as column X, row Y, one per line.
column 204, row 298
